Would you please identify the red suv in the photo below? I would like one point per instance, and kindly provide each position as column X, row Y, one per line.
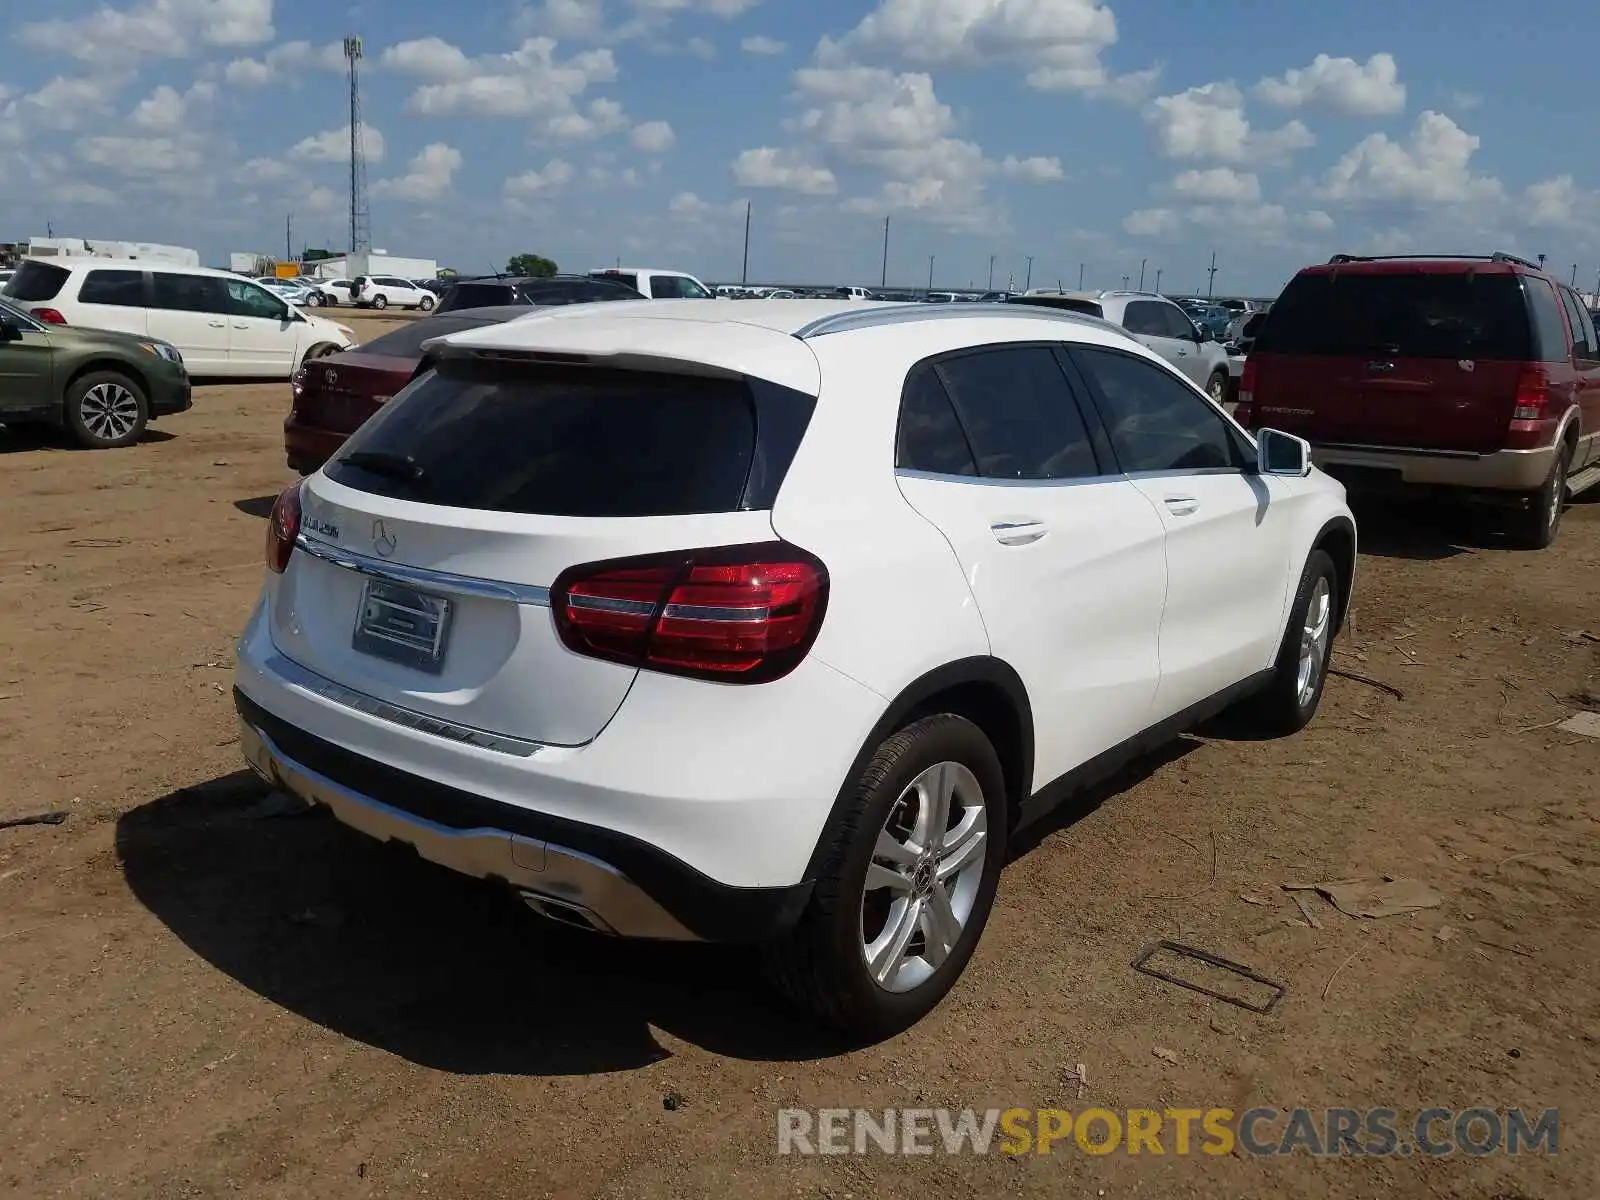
column 1475, row 374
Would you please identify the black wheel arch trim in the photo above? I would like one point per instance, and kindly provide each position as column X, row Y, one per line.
column 979, row 669
column 1346, row 526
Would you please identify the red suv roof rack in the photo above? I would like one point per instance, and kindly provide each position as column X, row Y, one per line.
column 1497, row 256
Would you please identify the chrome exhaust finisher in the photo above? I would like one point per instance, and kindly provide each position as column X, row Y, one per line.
column 557, row 882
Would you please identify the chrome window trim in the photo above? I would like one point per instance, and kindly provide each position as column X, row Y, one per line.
column 452, row 731
column 991, row 481
column 421, row 577
column 900, row 314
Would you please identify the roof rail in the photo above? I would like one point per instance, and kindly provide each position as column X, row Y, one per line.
column 898, row 314
column 1497, row 256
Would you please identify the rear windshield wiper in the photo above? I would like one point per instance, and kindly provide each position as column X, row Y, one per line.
column 382, row 462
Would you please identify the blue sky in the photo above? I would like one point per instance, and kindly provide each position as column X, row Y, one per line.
column 1077, row 132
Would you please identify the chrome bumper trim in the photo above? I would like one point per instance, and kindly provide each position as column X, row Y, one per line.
column 451, row 731
column 422, row 577
column 607, row 899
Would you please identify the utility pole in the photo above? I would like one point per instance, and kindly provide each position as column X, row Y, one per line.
column 1142, row 262
column 744, row 274
column 360, row 216
column 1541, row 262
column 930, row 274
column 883, row 280
column 1124, row 283
column 1574, row 284
column 1080, row 276
column 288, row 238
column 990, row 288
column 1158, row 281
column 1211, row 274
column 1027, row 284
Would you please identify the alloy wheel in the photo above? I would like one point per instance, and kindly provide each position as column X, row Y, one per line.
column 109, row 411
column 1314, row 641
column 923, row 879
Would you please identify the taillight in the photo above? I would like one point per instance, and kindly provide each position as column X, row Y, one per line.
column 283, row 526
column 297, row 385
column 1247, row 394
column 741, row 614
column 1533, row 395
column 49, row 316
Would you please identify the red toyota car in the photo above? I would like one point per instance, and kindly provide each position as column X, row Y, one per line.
column 334, row 395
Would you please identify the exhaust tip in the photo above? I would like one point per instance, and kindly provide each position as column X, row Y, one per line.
column 564, row 913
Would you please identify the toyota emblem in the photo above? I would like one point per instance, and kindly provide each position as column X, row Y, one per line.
column 382, row 540
column 330, row 377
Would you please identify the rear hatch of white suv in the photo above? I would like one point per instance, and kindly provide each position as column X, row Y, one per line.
column 459, row 556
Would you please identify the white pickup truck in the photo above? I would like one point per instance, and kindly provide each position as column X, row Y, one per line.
column 655, row 284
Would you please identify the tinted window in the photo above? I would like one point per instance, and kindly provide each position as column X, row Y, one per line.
column 1583, row 344
column 1456, row 315
column 479, row 295
column 36, row 281
column 124, row 289
column 1070, row 303
column 1157, row 423
column 579, row 442
column 406, row 342
column 1549, row 331
column 248, row 300
column 627, row 280
column 1175, row 323
column 1019, row 414
column 930, row 436
column 1591, row 338
column 188, row 293
column 675, row 287
column 1146, row 318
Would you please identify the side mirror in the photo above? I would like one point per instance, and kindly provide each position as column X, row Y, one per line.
column 1279, row 453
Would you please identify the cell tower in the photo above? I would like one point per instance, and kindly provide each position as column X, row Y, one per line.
column 360, row 217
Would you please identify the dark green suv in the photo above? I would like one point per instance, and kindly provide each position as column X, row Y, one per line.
column 102, row 387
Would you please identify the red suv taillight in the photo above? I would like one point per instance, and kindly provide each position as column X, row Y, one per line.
column 283, row 526
column 49, row 316
column 1247, row 394
column 740, row 614
column 1533, row 395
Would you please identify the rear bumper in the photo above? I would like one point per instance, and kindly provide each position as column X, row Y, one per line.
column 579, row 874
column 1501, row 471
column 307, row 447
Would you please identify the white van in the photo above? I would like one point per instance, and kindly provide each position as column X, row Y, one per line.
column 222, row 324
column 655, row 284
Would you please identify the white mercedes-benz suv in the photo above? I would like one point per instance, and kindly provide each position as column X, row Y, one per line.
column 774, row 623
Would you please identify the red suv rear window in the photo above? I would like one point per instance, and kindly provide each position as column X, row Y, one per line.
column 1461, row 315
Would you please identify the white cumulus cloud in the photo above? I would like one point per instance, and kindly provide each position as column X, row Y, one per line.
column 428, row 178
column 1341, row 85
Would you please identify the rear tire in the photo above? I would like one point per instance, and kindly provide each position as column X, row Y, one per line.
column 380, row 302
column 1535, row 527
column 1288, row 703
column 427, row 304
column 105, row 410
column 899, row 884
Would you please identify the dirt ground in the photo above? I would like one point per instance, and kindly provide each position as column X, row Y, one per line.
column 201, row 999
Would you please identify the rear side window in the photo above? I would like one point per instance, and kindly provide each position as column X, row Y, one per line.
column 188, row 293
column 36, row 281
column 1145, row 317
column 1548, row 328
column 930, row 437
column 1583, row 333
column 1473, row 315
column 480, row 295
column 121, row 289
column 560, row 441
column 1019, row 414
column 1070, row 303
column 622, row 277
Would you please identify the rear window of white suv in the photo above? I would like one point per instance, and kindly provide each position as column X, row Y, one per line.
column 566, row 441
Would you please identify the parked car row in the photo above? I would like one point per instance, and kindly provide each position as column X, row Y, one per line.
column 609, row 606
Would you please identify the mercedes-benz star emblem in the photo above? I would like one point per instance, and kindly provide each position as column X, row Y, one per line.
column 382, row 540
column 330, row 377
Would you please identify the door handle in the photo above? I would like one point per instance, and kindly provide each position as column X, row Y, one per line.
column 1380, row 366
column 217, row 324
column 240, row 325
column 1021, row 532
column 1183, row 353
column 1181, row 506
